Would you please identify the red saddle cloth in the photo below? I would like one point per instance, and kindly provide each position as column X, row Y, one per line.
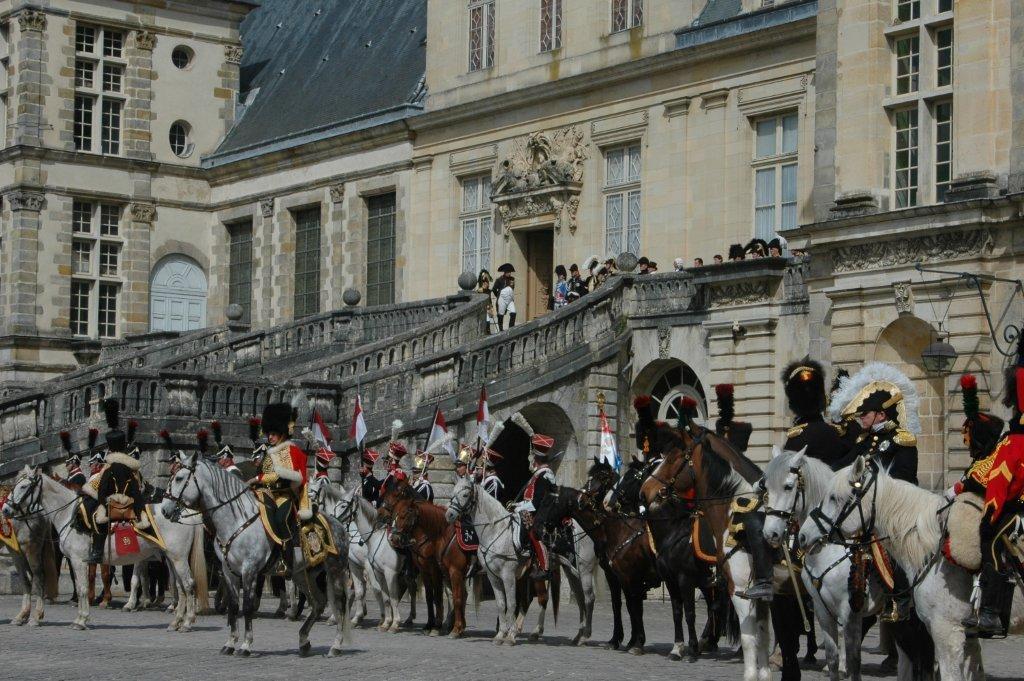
column 468, row 541
column 125, row 540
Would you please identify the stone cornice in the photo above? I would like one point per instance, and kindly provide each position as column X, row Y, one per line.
column 25, row 199
column 22, row 151
column 221, row 10
column 565, row 88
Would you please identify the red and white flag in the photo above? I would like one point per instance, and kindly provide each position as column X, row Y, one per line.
column 609, row 452
column 439, row 431
column 321, row 435
column 483, row 416
column 357, row 431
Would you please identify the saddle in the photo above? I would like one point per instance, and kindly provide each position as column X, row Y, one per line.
column 740, row 506
column 466, row 535
column 84, row 522
column 281, row 525
column 8, row 536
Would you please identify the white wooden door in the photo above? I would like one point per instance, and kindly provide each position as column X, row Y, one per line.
column 177, row 295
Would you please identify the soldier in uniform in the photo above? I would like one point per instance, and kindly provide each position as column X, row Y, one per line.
column 369, row 483
column 1004, row 501
column 540, row 484
column 737, row 433
column 76, row 478
column 324, row 457
column 118, row 481
column 420, row 483
column 804, row 382
column 283, row 472
column 463, row 460
column 884, row 403
column 492, row 484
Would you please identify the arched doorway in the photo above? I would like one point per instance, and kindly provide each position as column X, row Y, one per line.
column 177, row 295
column 901, row 344
column 666, row 381
column 514, row 445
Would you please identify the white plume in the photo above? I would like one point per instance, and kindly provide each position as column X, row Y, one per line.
column 439, row 443
column 521, row 421
column 495, row 433
column 850, row 386
column 591, row 262
column 396, row 428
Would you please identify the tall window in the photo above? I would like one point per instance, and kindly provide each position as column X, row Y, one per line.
column 380, row 250
column 95, row 268
column 622, row 200
column 5, row 63
column 775, row 174
column 477, row 223
column 481, row 34
column 908, row 55
column 944, row 57
column 943, row 148
column 627, row 14
column 240, row 268
column 906, row 157
column 99, row 89
column 550, row 25
column 307, row 261
column 907, row 10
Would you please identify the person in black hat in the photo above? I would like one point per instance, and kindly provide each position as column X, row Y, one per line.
column 756, row 248
column 804, row 382
column 369, row 483
column 283, row 473
column 736, row 252
column 775, row 248
column 76, row 478
column 117, row 489
column 737, row 433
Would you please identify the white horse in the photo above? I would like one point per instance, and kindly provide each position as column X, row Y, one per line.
column 385, row 565
column 37, row 494
column 245, row 550
column 336, row 501
column 30, row 533
column 908, row 521
column 795, row 485
column 500, row 551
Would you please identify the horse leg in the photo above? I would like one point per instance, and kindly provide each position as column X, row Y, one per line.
column 508, row 578
column 359, row 586
column 107, row 573
column 91, row 588
column 676, row 598
column 501, row 602
column 635, row 605
column 134, row 587
column 615, row 591
column 316, row 601
column 248, row 599
column 82, row 570
column 785, row 615
column 576, row 589
column 690, row 612
column 187, row 602
column 540, row 589
column 337, row 594
column 589, row 599
column 457, row 579
column 25, row 575
column 851, row 644
column 749, row 643
column 37, row 581
column 234, row 597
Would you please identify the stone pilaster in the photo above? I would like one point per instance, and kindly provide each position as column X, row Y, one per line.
column 26, row 206
column 264, row 243
column 825, row 80
column 138, row 113
column 227, row 92
column 1017, row 97
column 136, row 266
column 334, row 242
column 32, row 82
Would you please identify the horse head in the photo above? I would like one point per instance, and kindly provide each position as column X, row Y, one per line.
column 183, row 489
column 556, row 507
column 393, row 491
column 785, row 495
column 846, row 513
column 676, row 476
column 26, row 497
column 462, row 500
column 601, row 478
column 405, row 515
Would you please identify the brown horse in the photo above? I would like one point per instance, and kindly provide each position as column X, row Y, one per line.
column 704, row 469
column 420, row 526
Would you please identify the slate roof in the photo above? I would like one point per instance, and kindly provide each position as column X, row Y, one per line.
column 315, row 66
column 719, row 10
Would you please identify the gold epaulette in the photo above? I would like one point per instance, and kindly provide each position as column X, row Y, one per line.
column 839, row 428
column 904, row 438
column 795, row 431
column 979, row 470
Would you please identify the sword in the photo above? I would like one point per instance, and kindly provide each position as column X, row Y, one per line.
column 796, row 587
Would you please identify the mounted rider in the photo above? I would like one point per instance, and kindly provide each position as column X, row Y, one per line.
column 369, row 484
column 117, row 488
column 540, row 484
column 420, row 482
column 804, row 383
column 73, row 464
column 1004, row 503
column 492, row 483
column 884, row 402
column 283, row 474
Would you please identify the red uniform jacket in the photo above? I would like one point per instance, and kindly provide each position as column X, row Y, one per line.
column 1006, row 477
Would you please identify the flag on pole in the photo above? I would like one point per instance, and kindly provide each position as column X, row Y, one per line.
column 609, row 452
column 483, row 416
column 321, row 435
column 357, row 431
column 439, row 431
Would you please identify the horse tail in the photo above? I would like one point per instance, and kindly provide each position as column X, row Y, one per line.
column 556, row 591
column 732, row 622
column 197, row 564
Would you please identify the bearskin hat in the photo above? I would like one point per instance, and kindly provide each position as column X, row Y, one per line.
column 724, row 396
column 757, row 246
column 736, row 251
column 115, row 437
column 687, row 407
column 203, row 440
column 94, row 435
column 804, row 381
column 1014, row 395
column 218, row 432
column 981, row 429
column 277, row 418
column 645, row 421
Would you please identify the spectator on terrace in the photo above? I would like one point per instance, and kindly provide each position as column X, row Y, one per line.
column 483, row 285
column 652, row 267
column 577, row 287
column 560, row 294
column 507, row 302
column 697, row 262
column 642, row 265
column 736, row 253
column 717, row 260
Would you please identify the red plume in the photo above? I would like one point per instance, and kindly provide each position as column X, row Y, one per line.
column 133, row 426
column 217, row 434
column 65, row 440
column 254, row 428
column 203, row 437
column 688, row 402
column 641, row 402
column 94, row 434
column 968, row 382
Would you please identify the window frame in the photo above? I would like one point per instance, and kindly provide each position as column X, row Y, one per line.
column 941, row 186
column 627, row 192
column 912, row 77
column 103, row 133
column 913, row 169
column 239, row 238
column 306, row 277
column 779, row 161
column 488, row 35
column 481, row 216
column 551, row 36
column 633, row 17
column 95, row 281
column 381, row 291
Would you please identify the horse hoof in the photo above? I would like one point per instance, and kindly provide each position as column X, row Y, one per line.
column 18, row 622
column 78, row 626
column 636, row 650
column 611, row 645
column 692, row 658
column 305, row 648
column 334, row 652
column 184, row 628
column 675, row 657
column 455, row 634
column 510, row 641
column 227, row 650
column 497, row 641
column 434, row 632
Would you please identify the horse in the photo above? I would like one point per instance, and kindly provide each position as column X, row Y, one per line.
column 862, row 503
column 333, row 499
column 704, row 469
column 500, row 551
column 384, row 563
column 794, row 485
column 421, row 527
column 30, row 534
column 244, row 549
column 36, row 494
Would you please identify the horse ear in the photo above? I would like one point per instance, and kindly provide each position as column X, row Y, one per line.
column 776, row 452
column 857, row 470
column 189, row 460
column 800, row 457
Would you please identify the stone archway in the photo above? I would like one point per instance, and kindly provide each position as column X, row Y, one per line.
column 177, row 298
column 514, row 446
column 900, row 344
column 666, row 380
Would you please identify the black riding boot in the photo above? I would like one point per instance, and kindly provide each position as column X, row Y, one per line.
column 96, row 552
column 760, row 554
column 993, row 588
column 901, row 597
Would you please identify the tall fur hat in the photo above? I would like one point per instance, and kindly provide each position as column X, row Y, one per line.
column 254, row 428
column 758, row 246
column 65, row 442
column 736, row 251
column 277, row 418
column 645, row 424
column 115, row 437
column 687, row 407
column 725, row 397
column 218, row 432
column 94, row 435
column 804, row 381
column 981, row 430
column 877, row 387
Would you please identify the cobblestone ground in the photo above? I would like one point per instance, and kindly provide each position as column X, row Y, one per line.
column 136, row 646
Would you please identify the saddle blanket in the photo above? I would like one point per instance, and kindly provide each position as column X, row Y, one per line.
column 703, row 541
column 466, row 535
column 962, row 545
column 125, row 540
column 7, row 534
column 85, row 523
column 317, row 540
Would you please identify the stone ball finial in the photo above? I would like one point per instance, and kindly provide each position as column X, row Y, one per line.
column 467, row 281
column 351, row 297
column 626, row 262
column 234, row 312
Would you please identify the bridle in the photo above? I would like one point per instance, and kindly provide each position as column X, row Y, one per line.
column 668, row 489
column 180, row 504
column 799, row 500
column 832, row 529
column 460, row 509
column 34, row 494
